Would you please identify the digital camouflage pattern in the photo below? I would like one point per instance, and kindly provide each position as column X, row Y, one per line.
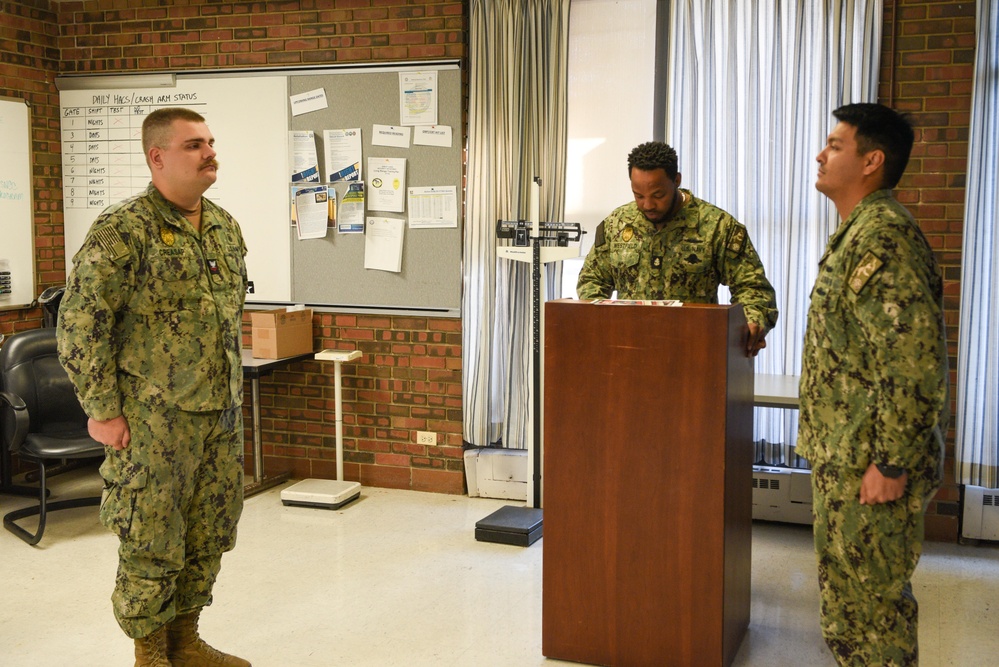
column 874, row 389
column 874, row 379
column 170, row 301
column 173, row 498
column 701, row 248
column 150, row 327
column 866, row 557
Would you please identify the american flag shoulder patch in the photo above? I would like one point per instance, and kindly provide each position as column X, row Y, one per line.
column 737, row 241
column 110, row 240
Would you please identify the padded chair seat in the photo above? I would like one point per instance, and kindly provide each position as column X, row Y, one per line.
column 76, row 444
column 41, row 422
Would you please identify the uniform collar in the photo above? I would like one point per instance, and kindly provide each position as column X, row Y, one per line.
column 683, row 217
column 175, row 218
column 845, row 226
column 855, row 213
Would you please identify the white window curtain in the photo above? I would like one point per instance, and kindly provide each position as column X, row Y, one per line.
column 517, row 109
column 977, row 418
column 752, row 85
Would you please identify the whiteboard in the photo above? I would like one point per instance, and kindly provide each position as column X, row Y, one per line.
column 17, row 248
column 103, row 162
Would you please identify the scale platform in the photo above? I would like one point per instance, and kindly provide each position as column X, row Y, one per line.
column 322, row 493
column 519, row 526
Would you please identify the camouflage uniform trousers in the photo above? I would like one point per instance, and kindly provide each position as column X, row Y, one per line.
column 866, row 557
column 173, row 498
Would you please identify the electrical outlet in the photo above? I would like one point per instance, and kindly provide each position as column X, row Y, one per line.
column 426, row 438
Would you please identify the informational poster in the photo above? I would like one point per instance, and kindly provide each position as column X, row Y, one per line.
column 386, row 184
column 418, row 98
column 314, row 209
column 383, row 244
column 343, row 154
column 351, row 218
column 434, row 206
column 302, row 156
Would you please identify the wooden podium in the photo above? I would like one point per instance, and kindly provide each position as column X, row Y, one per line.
column 648, row 484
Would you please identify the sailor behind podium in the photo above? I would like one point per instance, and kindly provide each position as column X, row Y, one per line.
column 669, row 245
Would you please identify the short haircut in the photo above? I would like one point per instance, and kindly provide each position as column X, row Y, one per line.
column 156, row 126
column 653, row 155
column 884, row 129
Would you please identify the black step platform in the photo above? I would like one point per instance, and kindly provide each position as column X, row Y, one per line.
column 519, row 526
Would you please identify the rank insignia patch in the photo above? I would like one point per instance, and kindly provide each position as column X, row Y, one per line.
column 867, row 267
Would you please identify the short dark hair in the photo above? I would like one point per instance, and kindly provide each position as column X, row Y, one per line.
column 156, row 126
column 653, row 155
column 884, row 129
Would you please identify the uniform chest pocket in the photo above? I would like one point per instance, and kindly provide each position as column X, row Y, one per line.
column 625, row 255
column 174, row 282
column 694, row 258
column 828, row 312
column 174, row 266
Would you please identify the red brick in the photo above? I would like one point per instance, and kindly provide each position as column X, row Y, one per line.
column 438, row 481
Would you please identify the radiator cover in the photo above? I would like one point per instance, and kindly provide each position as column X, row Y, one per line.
column 981, row 513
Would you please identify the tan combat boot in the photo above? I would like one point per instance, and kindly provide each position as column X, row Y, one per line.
column 151, row 650
column 186, row 649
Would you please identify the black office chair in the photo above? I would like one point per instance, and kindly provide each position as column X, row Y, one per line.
column 42, row 421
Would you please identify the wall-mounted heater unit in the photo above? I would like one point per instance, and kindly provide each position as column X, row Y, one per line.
column 782, row 494
column 981, row 513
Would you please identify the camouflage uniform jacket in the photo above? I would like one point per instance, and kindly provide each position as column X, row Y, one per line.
column 700, row 248
column 154, row 311
column 874, row 378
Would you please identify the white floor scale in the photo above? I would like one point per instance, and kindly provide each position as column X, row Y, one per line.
column 328, row 493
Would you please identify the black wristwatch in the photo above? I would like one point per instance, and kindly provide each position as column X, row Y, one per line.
column 891, row 472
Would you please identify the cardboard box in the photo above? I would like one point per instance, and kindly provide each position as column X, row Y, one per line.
column 279, row 333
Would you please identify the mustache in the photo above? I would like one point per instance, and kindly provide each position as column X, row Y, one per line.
column 211, row 163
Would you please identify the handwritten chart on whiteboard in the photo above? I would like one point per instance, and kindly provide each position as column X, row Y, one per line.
column 103, row 161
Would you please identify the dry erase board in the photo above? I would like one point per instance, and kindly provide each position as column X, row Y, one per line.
column 250, row 116
column 17, row 249
column 103, row 162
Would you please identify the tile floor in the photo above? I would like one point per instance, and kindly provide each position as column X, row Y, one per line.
column 397, row 578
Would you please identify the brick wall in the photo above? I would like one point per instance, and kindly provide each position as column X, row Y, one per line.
column 408, row 380
column 929, row 75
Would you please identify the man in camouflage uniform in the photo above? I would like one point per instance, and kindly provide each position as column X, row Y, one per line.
column 150, row 331
column 874, row 393
column 667, row 244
